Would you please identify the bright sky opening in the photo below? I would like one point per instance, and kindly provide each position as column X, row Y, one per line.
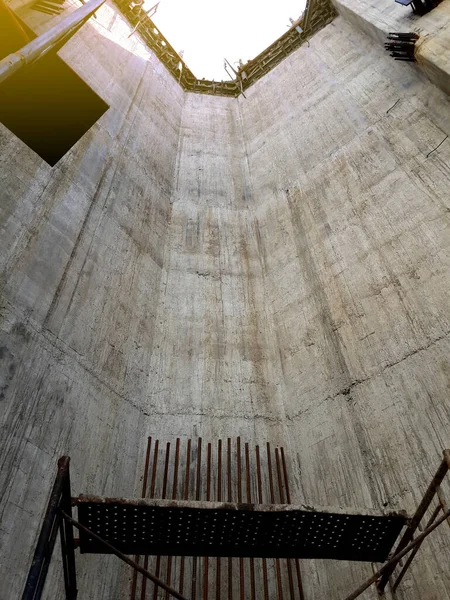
column 210, row 31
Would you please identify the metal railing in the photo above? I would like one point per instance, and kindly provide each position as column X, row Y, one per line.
column 50, row 40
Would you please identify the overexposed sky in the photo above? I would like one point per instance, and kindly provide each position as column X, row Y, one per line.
column 209, row 30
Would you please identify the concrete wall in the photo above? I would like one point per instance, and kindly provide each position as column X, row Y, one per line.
column 378, row 18
column 274, row 267
column 216, row 360
column 353, row 216
column 83, row 249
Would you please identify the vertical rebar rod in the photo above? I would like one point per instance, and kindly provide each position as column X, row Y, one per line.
column 288, row 496
column 175, row 470
column 238, row 466
column 152, row 494
column 163, row 497
column 269, row 469
column 199, row 470
column 208, row 498
column 174, row 497
column 282, row 499
column 197, row 497
column 279, row 476
column 230, row 560
column 229, row 492
column 286, row 480
column 272, row 500
column 219, row 471
column 185, row 497
column 154, row 470
column 249, row 500
column 239, row 495
column 166, row 471
column 143, row 493
column 188, row 470
column 219, row 499
column 260, row 500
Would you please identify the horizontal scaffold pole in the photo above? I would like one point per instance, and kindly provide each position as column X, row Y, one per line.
column 48, row 40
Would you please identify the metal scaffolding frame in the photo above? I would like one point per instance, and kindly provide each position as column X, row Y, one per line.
column 194, row 521
column 317, row 15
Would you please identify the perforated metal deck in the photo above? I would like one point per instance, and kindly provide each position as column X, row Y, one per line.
column 179, row 528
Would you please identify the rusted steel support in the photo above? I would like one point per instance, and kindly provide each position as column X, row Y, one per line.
column 288, row 496
column 414, row 523
column 272, row 500
column 124, row 557
column 47, row 537
column 67, row 540
column 219, row 498
column 163, row 495
column 12, row 36
column 392, row 562
column 198, row 484
column 208, row 498
column 260, row 500
column 249, row 500
column 405, row 567
column 174, row 497
column 144, row 491
column 185, row 497
column 152, row 493
column 48, row 40
column 229, row 496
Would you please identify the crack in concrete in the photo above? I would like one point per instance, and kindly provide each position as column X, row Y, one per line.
column 347, row 390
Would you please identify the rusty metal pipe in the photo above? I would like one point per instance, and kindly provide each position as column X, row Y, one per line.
column 48, row 40
column 185, row 496
column 390, row 565
column 13, row 35
column 47, row 537
column 416, row 549
column 418, row 515
column 144, row 491
column 152, row 493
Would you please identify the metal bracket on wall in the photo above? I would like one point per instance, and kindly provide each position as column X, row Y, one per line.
column 402, row 46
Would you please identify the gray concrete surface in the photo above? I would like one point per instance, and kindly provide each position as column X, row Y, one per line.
column 378, row 18
column 274, row 267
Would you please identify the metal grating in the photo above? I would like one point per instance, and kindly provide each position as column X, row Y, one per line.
column 191, row 478
column 236, row 530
